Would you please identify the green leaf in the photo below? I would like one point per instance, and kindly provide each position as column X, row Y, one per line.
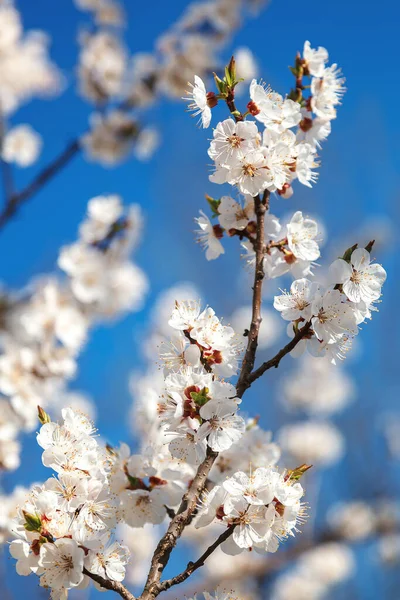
column 200, row 398
column 214, row 205
column 230, row 72
column 32, row 522
column 227, row 78
column 221, row 85
column 347, row 255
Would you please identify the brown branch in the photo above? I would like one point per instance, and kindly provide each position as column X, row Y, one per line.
column 274, row 362
column 230, row 101
column 6, row 170
column 16, row 200
column 242, row 233
column 108, row 584
column 193, row 566
column 177, row 525
column 261, row 206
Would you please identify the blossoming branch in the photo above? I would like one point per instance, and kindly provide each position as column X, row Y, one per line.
column 204, row 464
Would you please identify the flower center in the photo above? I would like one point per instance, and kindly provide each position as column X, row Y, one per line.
column 234, row 141
column 249, row 170
column 356, row 277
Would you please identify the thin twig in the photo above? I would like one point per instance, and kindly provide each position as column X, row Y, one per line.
column 274, row 362
column 17, row 199
column 6, row 170
column 108, row 584
column 193, row 566
column 242, row 233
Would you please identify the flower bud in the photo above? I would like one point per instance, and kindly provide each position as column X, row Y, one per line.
column 369, row 246
column 253, row 108
column 306, row 124
column 212, row 99
column 286, row 192
column 218, row 231
column 43, row 416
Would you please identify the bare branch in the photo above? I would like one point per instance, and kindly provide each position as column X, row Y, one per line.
column 261, row 206
column 274, row 362
column 176, row 527
column 193, row 566
column 15, row 201
column 6, row 170
column 108, row 584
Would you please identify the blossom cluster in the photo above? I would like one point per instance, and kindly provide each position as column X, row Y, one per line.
column 197, row 412
column 66, row 524
column 64, row 531
column 45, row 328
column 194, row 409
column 290, row 247
column 334, row 312
column 109, row 76
column 26, row 70
column 262, row 508
column 272, row 159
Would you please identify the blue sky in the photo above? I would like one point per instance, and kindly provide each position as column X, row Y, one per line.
column 359, row 181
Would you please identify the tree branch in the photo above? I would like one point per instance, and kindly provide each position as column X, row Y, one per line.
column 176, row 527
column 193, row 566
column 153, row 587
column 17, row 199
column 108, row 584
column 6, row 170
column 274, row 362
column 261, row 206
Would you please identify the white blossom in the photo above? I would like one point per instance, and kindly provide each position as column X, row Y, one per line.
column 298, row 303
column 209, row 237
column 198, row 102
column 222, row 426
column 110, row 563
column 233, row 215
column 21, row 145
column 315, row 59
column 275, row 112
column 62, row 564
column 102, row 66
column 361, row 280
column 327, row 91
column 26, row 70
column 333, row 317
column 353, row 520
column 301, row 234
column 232, row 141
